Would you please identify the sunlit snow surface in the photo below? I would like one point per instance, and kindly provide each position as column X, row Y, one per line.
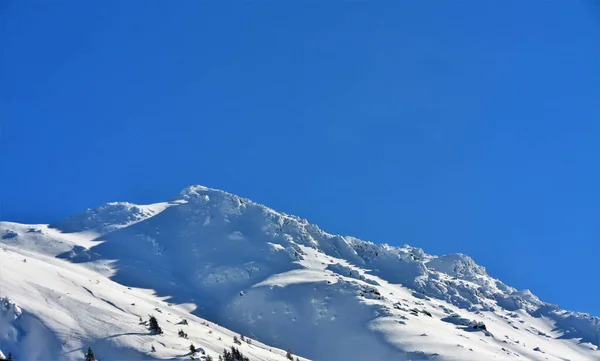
column 214, row 258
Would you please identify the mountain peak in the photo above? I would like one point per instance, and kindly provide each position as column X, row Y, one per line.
column 272, row 276
column 201, row 194
column 199, row 189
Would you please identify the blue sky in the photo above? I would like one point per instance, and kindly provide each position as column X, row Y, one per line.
column 461, row 126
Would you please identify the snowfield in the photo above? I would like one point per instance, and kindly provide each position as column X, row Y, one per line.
column 229, row 266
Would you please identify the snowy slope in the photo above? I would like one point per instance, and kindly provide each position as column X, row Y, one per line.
column 210, row 255
column 51, row 308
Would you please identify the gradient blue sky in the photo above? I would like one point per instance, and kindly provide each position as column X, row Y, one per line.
column 456, row 126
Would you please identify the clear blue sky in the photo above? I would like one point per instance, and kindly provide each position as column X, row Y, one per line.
column 457, row 126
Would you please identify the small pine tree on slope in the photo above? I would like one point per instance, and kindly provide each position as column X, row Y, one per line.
column 154, row 327
column 233, row 355
column 89, row 355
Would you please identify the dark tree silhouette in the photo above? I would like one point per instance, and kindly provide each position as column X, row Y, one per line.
column 154, row 327
column 89, row 355
column 233, row 355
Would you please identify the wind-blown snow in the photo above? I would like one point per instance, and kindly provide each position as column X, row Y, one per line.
column 210, row 255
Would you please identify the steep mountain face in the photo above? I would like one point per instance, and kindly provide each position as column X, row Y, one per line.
column 280, row 280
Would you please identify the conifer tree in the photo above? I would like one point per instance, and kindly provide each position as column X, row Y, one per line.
column 233, row 355
column 193, row 349
column 154, row 327
column 89, row 355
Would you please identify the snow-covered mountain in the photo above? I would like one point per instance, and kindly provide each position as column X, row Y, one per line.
column 213, row 258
